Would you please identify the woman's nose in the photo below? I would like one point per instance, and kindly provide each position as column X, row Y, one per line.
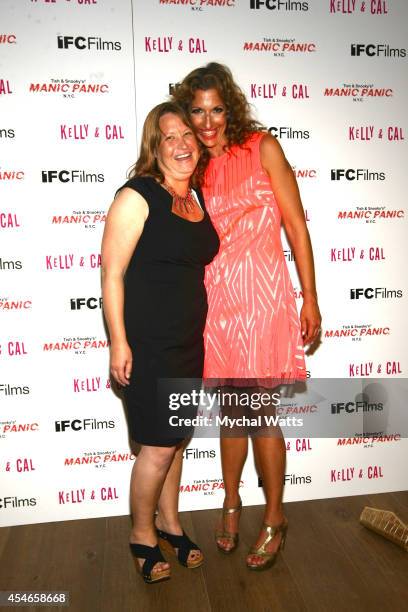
column 207, row 120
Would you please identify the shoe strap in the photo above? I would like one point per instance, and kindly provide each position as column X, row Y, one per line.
column 151, row 554
column 232, row 510
column 271, row 530
column 181, row 542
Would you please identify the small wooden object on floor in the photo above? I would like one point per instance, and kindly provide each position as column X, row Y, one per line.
column 387, row 524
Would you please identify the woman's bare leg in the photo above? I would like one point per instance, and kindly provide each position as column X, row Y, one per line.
column 148, row 476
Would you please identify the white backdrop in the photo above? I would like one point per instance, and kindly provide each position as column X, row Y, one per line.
column 76, row 81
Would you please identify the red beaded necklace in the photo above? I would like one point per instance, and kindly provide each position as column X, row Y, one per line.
column 181, row 204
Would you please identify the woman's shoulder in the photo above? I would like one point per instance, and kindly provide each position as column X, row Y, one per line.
column 254, row 139
column 145, row 185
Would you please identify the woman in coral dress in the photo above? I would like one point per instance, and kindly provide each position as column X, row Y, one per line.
column 253, row 337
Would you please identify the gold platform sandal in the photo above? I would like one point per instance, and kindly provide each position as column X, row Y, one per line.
column 269, row 558
column 232, row 538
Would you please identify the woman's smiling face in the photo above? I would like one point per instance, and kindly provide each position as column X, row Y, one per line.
column 178, row 153
column 209, row 117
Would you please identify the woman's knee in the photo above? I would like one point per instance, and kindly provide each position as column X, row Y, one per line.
column 161, row 456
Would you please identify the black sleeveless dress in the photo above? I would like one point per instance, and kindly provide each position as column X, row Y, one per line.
column 165, row 309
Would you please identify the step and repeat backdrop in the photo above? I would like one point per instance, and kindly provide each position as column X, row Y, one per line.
column 77, row 78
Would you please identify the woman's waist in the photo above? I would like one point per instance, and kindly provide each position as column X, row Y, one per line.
column 178, row 273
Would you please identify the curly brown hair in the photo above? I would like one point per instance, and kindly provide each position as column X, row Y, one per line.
column 240, row 123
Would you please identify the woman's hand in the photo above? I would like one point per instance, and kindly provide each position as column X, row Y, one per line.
column 121, row 362
column 310, row 320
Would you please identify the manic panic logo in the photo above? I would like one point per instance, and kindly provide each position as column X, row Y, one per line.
column 8, row 39
column 13, row 348
column 349, row 7
column 278, row 5
column 279, row 47
column 376, row 50
column 357, row 332
column 9, row 391
column 99, row 460
column 91, row 303
column 68, row 261
column 11, row 175
column 78, row 345
column 377, row 293
column 87, row 43
column 353, row 407
column 10, row 264
column 367, row 368
column 392, row 133
column 199, row 453
column 368, row 440
column 71, row 176
column 207, row 486
column 269, row 91
column 14, row 502
column 76, row 425
column 289, row 133
column 167, row 44
column 357, row 92
column 371, row 214
column 69, row 88
column 88, row 219
column 198, row 5
column 9, row 220
column 355, row 174
column 6, row 304
column 5, row 87
column 347, row 254
column 292, row 409
column 304, row 172
column 14, row 427
column 7, row 133
column 83, row 131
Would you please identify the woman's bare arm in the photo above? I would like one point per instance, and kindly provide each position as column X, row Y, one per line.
column 123, row 228
column 285, row 189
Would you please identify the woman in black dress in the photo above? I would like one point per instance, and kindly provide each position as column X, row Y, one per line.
column 158, row 239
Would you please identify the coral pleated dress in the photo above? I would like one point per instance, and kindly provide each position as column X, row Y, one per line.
column 252, row 334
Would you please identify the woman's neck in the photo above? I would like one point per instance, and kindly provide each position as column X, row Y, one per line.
column 218, row 150
column 181, row 186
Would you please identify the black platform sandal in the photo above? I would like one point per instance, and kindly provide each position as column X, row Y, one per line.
column 152, row 555
column 184, row 546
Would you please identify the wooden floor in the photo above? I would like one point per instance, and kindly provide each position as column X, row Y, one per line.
column 330, row 563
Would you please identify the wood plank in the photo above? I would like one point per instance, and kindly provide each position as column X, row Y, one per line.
column 230, row 584
column 342, row 518
column 330, row 562
column 324, row 573
column 185, row 591
column 4, row 536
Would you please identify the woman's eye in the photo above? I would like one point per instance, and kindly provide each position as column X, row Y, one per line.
column 195, row 111
column 169, row 138
column 219, row 109
column 189, row 133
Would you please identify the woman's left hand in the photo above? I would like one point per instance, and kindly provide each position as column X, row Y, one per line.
column 310, row 320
